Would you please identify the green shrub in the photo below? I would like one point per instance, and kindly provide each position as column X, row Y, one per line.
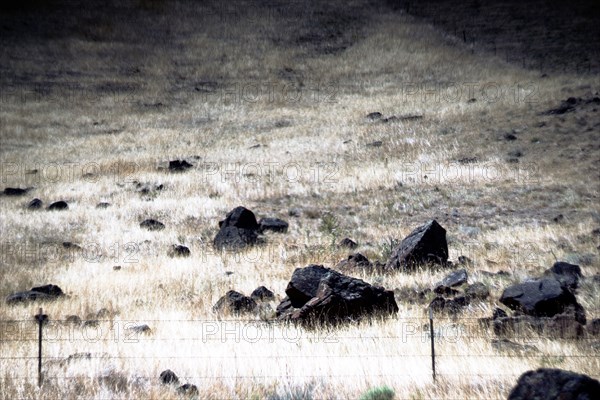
column 378, row 393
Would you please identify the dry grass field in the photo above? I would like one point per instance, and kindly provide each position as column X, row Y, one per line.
column 269, row 103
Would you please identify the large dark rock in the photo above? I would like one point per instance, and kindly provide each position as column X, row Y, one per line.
column 239, row 229
column 240, row 217
column 554, row 384
column 179, row 165
column 261, row 293
column 566, row 274
column 168, row 377
column 15, row 191
column 46, row 292
column 316, row 294
column 235, row 303
column 453, row 279
column 273, row 225
column 542, row 298
column 425, row 245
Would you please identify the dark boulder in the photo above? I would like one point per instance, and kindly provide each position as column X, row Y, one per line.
column 566, row 274
column 424, row 245
column 179, row 251
column 234, row 303
column 452, row 306
column 477, row 291
column 453, row 279
column 348, row 244
column 240, row 217
column 238, row 230
column 46, row 292
column 103, row 205
column 542, row 298
column 316, row 294
column 273, row 225
column 15, row 191
column 261, row 293
column 179, row 166
column 152, row 225
column 35, row 204
column 50, row 290
column 168, row 377
column 355, row 260
column 554, row 384
column 58, row 205
column 374, row 116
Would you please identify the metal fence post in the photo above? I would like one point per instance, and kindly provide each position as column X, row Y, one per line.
column 40, row 318
column 432, row 343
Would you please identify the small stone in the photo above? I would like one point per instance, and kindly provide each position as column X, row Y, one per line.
column 58, row 205
column 152, row 225
column 34, row 204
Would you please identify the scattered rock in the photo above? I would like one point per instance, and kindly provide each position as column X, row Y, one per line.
column 376, row 143
column 348, row 243
column 374, row 116
column 316, row 294
column 509, row 137
column 179, row 166
column 355, row 260
column 477, row 291
column 261, row 293
column 424, row 245
column 143, row 328
column 58, row 205
column 453, row 279
column 103, row 205
column 453, row 306
column 116, row 268
column 178, row 250
column 234, row 303
column 15, row 191
column 239, row 229
column 566, row 274
column 273, row 225
column 168, row 377
column 46, row 292
column 542, row 298
column 35, row 204
column 564, row 107
column 554, row 384
column 152, row 225
column 188, row 389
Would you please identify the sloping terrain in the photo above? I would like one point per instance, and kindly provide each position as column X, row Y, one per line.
column 273, row 104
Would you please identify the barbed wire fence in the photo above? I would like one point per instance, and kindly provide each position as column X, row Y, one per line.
column 44, row 331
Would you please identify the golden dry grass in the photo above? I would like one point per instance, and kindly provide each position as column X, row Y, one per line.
column 104, row 106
